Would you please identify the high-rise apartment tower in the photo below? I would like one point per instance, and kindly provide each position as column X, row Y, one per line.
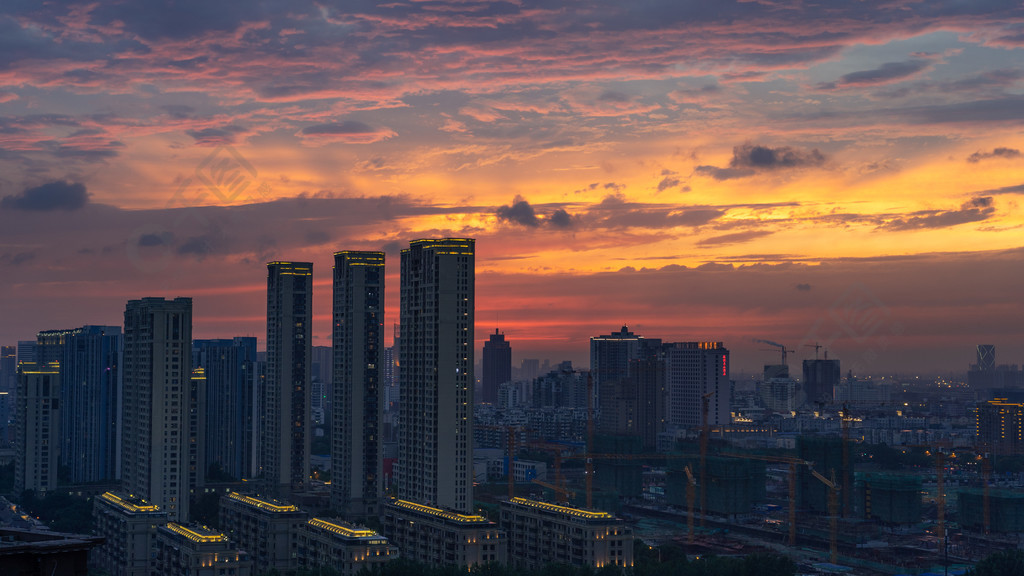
column 358, row 406
column 436, row 355
column 286, row 438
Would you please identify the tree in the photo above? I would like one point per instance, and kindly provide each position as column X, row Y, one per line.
column 1005, row 563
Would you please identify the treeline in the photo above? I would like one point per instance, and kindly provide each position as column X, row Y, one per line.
column 754, row 565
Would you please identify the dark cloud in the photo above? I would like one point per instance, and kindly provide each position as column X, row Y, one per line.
column 884, row 74
column 51, row 196
column 748, row 159
column 561, row 219
column 734, row 238
column 216, row 136
column 763, row 157
column 1018, row 189
column 723, row 173
column 149, row 240
column 17, row 259
column 613, row 96
column 803, row 287
column 197, row 246
column 520, row 212
column 338, row 128
column 975, row 210
column 666, row 183
column 995, row 153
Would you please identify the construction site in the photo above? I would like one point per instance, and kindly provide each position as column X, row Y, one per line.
column 811, row 503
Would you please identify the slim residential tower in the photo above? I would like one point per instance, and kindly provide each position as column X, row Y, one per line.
column 155, row 414
column 286, row 438
column 436, row 355
column 358, row 407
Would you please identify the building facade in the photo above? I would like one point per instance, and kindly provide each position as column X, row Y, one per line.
column 229, row 366
column 342, row 546
column 156, row 430
column 693, row 371
column 267, row 529
column 128, row 526
column 197, row 551
column 286, row 435
column 821, row 378
column 540, row 533
column 436, row 358
column 442, row 538
column 999, row 426
column 497, row 367
column 37, row 449
column 358, row 404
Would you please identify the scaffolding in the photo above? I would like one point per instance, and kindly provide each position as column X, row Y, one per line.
column 889, row 498
column 1006, row 508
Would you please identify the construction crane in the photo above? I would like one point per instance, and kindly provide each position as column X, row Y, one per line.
column 690, row 485
column 704, row 433
column 844, row 446
column 817, row 347
column 567, row 495
column 591, row 457
column 986, row 470
column 833, row 513
column 793, row 463
column 781, row 347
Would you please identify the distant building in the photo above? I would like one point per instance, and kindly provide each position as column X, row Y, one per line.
column 986, row 375
column 267, row 529
column 346, row 548
column 357, row 456
column 780, row 394
column 563, row 387
column 197, row 551
column 157, row 417
column 436, row 357
column 864, row 393
column 821, row 377
column 320, row 385
column 441, row 538
column 540, row 534
column 497, row 366
column 610, row 355
column 695, row 371
column 999, row 426
column 128, row 527
column 37, row 451
column 8, row 390
column 229, row 366
column 27, row 351
column 286, row 438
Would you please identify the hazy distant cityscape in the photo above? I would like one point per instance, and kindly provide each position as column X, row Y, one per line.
column 255, row 455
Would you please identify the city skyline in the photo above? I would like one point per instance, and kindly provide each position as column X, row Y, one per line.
column 843, row 174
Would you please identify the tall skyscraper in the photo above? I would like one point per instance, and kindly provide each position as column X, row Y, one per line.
column 286, row 439
column 436, row 356
column 694, row 370
column 610, row 357
column 497, row 365
column 90, row 366
column 356, row 450
column 37, row 452
column 821, row 377
column 229, row 367
column 157, row 397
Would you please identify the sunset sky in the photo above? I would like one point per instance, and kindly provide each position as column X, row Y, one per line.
column 848, row 173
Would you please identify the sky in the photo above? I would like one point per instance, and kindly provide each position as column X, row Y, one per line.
column 847, row 174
